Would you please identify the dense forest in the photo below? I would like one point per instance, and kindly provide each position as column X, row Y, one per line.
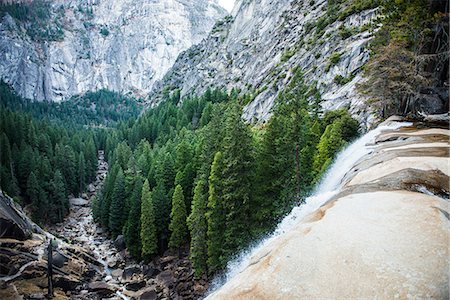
column 187, row 172
column 193, row 172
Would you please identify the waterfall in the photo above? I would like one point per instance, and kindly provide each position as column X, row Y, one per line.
column 330, row 185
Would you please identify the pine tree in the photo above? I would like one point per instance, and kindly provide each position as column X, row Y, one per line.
column 178, row 227
column 162, row 218
column 198, row 228
column 116, row 216
column 235, row 179
column 33, row 189
column 215, row 217
column 81, row 173
column 59, row 202
column 133, row 224
column 148, row 228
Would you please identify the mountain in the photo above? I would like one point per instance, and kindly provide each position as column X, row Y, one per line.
column 257, row 49
column 55, row 49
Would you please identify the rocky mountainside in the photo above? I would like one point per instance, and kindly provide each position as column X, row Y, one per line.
column 383, row 233
column 257, row 49
column 61, row 48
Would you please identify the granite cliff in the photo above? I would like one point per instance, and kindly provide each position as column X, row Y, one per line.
column 59, row 48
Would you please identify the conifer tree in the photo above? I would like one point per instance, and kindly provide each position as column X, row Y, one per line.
column 235, row 179
column 198, row 228
column 133, row 224
column 178, row 227
column 81, row 173
column 59, row 202
column 162, row 207
column 33, row 189
column 215, row 216
column 148, row 228
column 116, row 216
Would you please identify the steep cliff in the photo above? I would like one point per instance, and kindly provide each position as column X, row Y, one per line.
column 61, row 48
column 258, row 48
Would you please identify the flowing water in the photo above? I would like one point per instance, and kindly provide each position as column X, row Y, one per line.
column 330, row 186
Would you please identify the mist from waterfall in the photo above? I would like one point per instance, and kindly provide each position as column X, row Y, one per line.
column 330, row 185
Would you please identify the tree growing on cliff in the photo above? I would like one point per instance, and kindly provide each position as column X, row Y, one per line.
column 148, row 229
column 177, row 226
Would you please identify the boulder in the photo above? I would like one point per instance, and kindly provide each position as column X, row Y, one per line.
column 13, row 221
column 117, row 273
column 148, row 294
column 78, row 202
column 166, row 277
column 129, row 271
column 136, row 285
column 101, row 288
column 119, row 243
column 66, row 283
column 149, row 271
column 59, row 259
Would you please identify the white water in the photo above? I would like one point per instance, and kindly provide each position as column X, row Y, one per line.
column 330, row 186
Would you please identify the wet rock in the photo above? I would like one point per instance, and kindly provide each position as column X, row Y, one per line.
column 136, row 285
column 149, row 271
column 199, row 289
column 91, row 188
column 148, row 294
column 128, row 272
column 36, row 296
column 166, row 278
column 13, row 221
column 66, row 283
column 58, row 259
column 117, row 273
column 119, row 243
column 101, row 288
column 79, row 202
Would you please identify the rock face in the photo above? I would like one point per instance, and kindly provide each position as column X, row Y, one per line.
column 13, row 221
column 383, row 234
column 257, row 49
column 120, row 45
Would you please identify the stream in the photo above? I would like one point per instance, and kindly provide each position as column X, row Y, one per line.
column 79, row 228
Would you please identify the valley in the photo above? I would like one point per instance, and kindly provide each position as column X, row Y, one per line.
column 167, row 149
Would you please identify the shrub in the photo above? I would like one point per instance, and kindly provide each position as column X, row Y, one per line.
column 335, row 58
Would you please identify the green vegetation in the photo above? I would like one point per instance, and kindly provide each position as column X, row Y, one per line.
column 287, row 54
column 341, row 80
column 214, row 180
column 148, row 227
column 41, row 163
column 104, row 31
column 335, row 58
column 41, row 22
column 178, row 216
column 101, row 108
column 409, row 52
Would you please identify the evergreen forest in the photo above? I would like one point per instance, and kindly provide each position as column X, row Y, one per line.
column 188, row 174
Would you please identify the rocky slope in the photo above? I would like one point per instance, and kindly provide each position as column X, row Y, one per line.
column 85, row 45
column 258, row 48
column 383, row 233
